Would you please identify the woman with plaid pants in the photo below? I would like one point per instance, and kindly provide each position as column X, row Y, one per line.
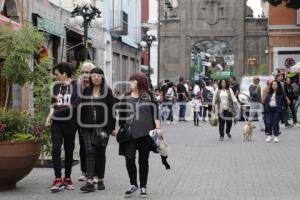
column 96, row 112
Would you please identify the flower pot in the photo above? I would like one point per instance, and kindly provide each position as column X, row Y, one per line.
column 16, row 161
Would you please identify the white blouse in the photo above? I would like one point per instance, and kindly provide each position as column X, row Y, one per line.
column 224, row 98
column 273, row 101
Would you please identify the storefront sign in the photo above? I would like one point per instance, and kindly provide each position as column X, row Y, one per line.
column 51, row 27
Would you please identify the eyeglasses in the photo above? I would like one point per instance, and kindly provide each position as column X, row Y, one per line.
column 85, row 72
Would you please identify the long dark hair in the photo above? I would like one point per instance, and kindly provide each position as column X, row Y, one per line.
column 103, row 85
column 220, row 84
column 279, row 89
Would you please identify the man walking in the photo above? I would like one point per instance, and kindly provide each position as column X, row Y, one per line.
column 182, row 98
column 281, row 78
column 234, row 86
column 256, row 103
column 84, row 83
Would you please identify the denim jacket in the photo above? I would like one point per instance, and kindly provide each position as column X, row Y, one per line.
column 280, row 102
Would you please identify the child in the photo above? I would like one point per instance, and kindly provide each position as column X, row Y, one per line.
column 196, row 104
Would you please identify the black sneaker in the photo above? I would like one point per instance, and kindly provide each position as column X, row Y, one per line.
column 88, row 187
column 101, row 185
column 229, row 135
column 143, row 193
column 131, row 190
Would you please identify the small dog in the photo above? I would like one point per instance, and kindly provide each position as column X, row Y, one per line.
column 248, row 128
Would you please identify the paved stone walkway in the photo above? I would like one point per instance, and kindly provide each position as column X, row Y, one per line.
column 202, row 168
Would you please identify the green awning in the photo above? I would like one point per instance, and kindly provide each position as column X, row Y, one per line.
column 51, row 27
column 222, row 75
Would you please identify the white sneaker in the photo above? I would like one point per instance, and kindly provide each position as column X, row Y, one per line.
column 173, row 123
column 95, row 180
column 130, row 191
column 143, row 193
column 168, row 122
column 269, row 138
column 276, row 140
column 82, row 177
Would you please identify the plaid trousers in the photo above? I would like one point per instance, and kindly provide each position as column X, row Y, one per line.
column 95, row 157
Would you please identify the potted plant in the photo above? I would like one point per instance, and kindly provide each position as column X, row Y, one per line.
column 20, row 133
column 20, row 146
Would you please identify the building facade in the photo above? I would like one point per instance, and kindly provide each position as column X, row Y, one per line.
column 284, row 37
column 64, row 41
column 122, row 22
column 214, row 29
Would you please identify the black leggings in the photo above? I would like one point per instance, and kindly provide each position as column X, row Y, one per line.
column 63, row 133
column 143, row 145
column 225, row 117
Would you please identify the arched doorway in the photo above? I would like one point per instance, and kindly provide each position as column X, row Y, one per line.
column 209, row 56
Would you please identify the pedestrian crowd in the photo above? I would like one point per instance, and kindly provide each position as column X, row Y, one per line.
column 91, row 108
column 88, row 106
column 277, row 102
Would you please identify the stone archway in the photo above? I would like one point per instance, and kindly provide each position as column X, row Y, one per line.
column 10, row 9
column 208, row 56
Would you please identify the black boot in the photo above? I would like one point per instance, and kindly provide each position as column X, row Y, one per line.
column 88, row 187
column 229, row 135
column 101, row 185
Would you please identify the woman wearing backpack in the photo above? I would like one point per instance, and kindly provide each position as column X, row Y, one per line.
column 224, row 102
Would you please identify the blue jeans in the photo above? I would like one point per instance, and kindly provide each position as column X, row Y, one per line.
column 182, row 109
column 170, row 107
column 164, row 111
column 272, row 121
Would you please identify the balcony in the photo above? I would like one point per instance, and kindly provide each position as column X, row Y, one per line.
column 119, row 23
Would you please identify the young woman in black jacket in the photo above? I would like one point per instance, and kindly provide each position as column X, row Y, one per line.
column 96, row 112
column 139, row 107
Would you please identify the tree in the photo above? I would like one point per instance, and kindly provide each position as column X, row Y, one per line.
column 289, row 3
column 19, row 47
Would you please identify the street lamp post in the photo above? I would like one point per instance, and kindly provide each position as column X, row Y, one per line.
column 147, row 42
column 86, row 15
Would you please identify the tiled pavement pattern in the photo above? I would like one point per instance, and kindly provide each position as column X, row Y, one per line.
column 202, row 168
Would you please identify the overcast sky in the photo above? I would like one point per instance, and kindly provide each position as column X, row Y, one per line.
column 255, row 5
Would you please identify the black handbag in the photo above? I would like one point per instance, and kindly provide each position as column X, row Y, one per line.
column 100, row 137
column 124, row 133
